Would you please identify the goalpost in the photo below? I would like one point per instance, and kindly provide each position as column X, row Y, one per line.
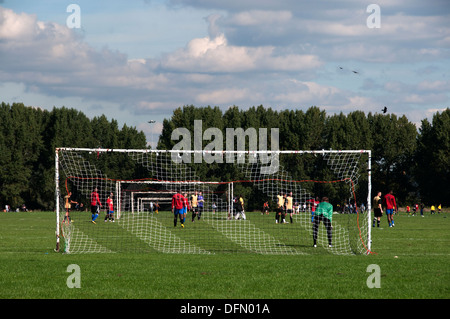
column 131, row 178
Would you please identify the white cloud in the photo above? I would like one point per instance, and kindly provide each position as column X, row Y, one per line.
column 15, row 26
column 435, row 86
column 330, row 98
column 216, row 55
column 223, row 96
column 144, row 106
column 55, row 60
column 424, row 99
column 260, row 17
column 306, row 91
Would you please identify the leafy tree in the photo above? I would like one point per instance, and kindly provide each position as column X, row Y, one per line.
column 432, row 169
column 20, row 143
column 394, row 145
column 29, row 137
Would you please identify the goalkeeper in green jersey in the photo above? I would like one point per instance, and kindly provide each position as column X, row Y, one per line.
column 324, row 213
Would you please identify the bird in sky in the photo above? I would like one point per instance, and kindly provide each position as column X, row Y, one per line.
column 341, row 68
column 384, row 110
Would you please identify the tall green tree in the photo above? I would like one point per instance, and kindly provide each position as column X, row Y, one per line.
column 392, row 140
column 29, row 137
column 394, row 146
column 20, row 144
column 432, row 159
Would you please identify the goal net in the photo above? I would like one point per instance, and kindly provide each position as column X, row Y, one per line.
column 132, row 210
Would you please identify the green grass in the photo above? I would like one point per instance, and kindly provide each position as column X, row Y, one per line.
column 413, row 258
column 212, row 234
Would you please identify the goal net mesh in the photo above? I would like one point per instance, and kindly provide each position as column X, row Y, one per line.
column 140, row 184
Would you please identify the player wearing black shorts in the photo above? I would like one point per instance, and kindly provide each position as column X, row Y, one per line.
column 377, row 210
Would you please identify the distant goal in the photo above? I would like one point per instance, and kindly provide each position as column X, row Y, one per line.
column 140, row 184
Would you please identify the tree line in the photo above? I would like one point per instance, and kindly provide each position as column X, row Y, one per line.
column 28, row 139
column 413, row 161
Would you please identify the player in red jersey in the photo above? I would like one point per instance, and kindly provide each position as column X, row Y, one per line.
column 95, row 205
column 391, row 207
column 110, row 209
column 178, row 201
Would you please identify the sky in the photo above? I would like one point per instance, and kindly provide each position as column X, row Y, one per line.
column 136, row 61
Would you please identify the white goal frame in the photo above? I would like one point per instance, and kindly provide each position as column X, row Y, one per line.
column 58, row 207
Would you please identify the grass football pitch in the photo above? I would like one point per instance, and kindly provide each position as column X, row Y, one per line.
column 412, row 257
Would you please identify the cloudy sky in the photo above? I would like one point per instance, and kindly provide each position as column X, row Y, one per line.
column 138, row 60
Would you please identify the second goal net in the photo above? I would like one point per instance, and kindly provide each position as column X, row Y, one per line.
column 121, row 200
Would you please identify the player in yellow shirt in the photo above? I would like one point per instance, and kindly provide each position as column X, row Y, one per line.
column 68, row 206
column 194, row 205
column 240, row 211
column 289, row 206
